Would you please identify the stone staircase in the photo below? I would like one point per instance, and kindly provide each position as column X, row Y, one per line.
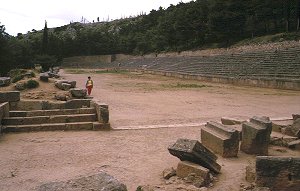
column 50, row 120
column 26, row 116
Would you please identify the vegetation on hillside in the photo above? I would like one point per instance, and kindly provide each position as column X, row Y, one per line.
column 194, row 25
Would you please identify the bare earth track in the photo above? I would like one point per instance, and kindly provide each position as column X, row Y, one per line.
column 137, row 156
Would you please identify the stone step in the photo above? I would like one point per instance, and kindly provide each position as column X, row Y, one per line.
column 51, row 112
column 57, row 127
column 49, row 119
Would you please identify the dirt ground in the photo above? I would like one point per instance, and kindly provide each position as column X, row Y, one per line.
column 148, row 113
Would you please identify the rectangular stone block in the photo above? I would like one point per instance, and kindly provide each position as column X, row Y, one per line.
column 231, row 121
column 9, row 96
column 79, row 126
column 278, row 173
column 102, row 111
column 184, row 168
column 220, row 139
column 256, row 136
column 4, row 110
column 101, row 126
column 193, row 151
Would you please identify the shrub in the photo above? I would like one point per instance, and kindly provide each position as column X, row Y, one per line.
column 32, row 84
column 17, row 78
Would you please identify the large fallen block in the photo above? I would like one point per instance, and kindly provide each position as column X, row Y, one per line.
column 193, row 151
column 278, row 173
column 256, row 136
column 220, row 139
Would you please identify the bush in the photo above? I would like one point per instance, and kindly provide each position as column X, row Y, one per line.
column 32, row 84
column 17, row 78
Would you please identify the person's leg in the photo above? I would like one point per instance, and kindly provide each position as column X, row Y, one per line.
column 89, row 90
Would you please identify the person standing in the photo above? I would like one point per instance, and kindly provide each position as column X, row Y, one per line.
column 89, row 85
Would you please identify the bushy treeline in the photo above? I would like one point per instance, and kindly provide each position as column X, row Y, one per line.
column 193, row 25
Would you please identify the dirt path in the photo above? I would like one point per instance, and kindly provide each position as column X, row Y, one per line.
column 138, row 157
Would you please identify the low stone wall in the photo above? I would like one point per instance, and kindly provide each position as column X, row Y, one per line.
column 287, row 84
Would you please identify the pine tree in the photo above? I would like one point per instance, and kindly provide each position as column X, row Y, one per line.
column 45, row 40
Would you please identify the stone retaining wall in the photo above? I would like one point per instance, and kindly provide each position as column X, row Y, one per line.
column 287, row 84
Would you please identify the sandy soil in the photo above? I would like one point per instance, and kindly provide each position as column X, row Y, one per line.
column 138, row 155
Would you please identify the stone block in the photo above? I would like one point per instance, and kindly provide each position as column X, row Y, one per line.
column 193, row 151
column 20, row 86
column 77, row 103
column 185, row 168
column 65, row 86
column 78, row 92
column 102, row 111
column 278, row 173
column 79, row 126
column 4, row 81
column 220, row 139
column 256, row 136
column 4, row 110
column 44, row 77
column 231, row 121
column 9, row 96
column 101, row 126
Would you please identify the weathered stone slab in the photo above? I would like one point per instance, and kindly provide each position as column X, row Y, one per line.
column 102, row 111
column 77, row 103
column 256, row 136
column 4, row 81
column 78, row 92
column 220, row 139
column 193, row 151
column 9, row 96
column 231, row 121
column 184, row 168
column 278, row 173
column 98, row 182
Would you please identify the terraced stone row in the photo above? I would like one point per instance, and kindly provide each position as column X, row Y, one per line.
column 271, row 64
